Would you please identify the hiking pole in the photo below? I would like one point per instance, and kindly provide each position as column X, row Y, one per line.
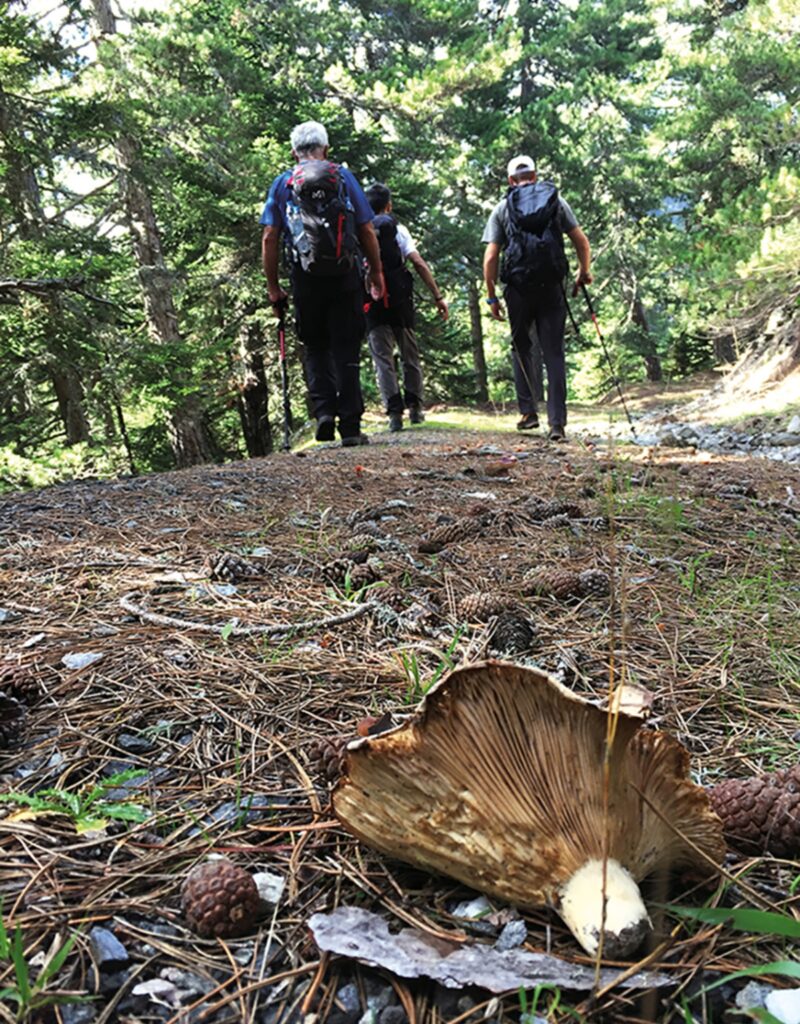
column 607, row 354
column 281, row 306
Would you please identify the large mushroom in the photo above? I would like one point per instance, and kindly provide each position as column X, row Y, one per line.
column 500, row 781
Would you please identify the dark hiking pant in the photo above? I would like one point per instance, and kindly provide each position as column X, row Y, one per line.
column 330, row 324
column 382, row 340
column 542, row 308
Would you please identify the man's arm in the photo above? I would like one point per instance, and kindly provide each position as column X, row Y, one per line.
column 369, row 244
column 270, row 243
column 584, row 253
column 425, row 274
column 491, row 264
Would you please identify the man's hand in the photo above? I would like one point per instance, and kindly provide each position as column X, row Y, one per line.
column 278, row 299
column 377, row 286
column 497, row 311
column 441, row 305
column 581, row 278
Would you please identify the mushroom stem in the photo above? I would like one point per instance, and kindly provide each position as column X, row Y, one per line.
column 580, row 904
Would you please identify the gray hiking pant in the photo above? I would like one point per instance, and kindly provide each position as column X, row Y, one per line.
column 382, row 339
column 543, row 308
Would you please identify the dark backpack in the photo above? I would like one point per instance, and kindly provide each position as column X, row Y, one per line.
column 535, row 250
column 321, row 220
column 397, row 304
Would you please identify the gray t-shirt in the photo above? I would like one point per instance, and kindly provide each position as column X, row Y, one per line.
column 496, row 229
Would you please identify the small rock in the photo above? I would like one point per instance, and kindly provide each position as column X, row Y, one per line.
column 104, row 630
column 134, row 744
column 187, row 983
column 77, row 1013
column 785, row 1005
column 753, row 996
column 270, row 886
column 513, row 935
column 473, row 909
column 159, row 990
column 5, row 615
column 349, row 998
column 393, row 1015
column 108, row 951
column 81, row 659
column 793, row 426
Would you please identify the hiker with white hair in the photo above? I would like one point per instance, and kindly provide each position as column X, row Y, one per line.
column 528, row 228
column 319, row 209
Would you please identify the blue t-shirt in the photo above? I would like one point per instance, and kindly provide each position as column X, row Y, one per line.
column 275, row 206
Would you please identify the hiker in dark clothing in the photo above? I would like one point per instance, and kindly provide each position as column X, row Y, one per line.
column 528, row 226
column 322, row 212
column 390, row 321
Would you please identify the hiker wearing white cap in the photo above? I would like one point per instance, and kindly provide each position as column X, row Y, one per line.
column 528, row 228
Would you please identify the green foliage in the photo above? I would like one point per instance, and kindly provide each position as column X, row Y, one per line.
column 670, row 129
column 89, row 808
column 31, row 995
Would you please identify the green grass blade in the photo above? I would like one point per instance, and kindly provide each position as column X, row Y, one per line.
column 760, row 922
column 56, row 962
column 20, row 966
column 784, row 968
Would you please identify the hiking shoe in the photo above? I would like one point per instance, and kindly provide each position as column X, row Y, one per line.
column 530, row 421
column 354, row 442
column 395, row 422
column 416, row 415
column 557, row 434
column 325, row 429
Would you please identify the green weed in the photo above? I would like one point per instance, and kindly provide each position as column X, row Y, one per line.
column 416, row 689
column 32, row 995
column 88, row 809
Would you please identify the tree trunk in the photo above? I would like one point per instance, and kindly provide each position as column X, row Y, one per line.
column 188, row 431
column 652, row 363
column 253, row 398
column 69, row 393
column 476, row 334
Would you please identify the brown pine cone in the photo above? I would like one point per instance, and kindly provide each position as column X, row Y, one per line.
column 540, row 510
column 220, row 900
column 451, row 533
column 231, row 567
column 18, row 681
column 481, row 607
column 12, row 721
column 559, row 583
column 761, row 814
column 337, row 571
column 513, row 634
column 363, row 542
column 594, row 583
column 328, row 756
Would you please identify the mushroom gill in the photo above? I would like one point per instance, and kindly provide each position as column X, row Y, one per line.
column 498, row 781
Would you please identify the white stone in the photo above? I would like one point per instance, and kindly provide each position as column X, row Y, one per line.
column 270, row 886
column 793, row 426
column 81, row 659
column 785, row 1005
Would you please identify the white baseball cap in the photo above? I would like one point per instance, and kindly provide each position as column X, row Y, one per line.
column 520, row 164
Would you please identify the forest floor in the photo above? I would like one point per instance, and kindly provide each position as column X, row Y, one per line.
column 178, row 634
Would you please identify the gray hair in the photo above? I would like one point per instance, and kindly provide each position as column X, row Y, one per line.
column 307, row 136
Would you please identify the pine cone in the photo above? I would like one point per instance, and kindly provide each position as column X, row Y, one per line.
column 328, row 756
column 559, row 583
column 594, row 583
column 363, row 542
column 513, row 634
column 230, row 567
column 336, row 572
column 12, row 721
column 451, row 533
column 366, row 573
column 18, row 681
column 761, row 814
column 540, row 510
column 481, row 607
column 504, row 522
column 559, row 522
column 220, row 900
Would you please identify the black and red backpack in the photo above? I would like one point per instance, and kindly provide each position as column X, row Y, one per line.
column 321, row 222
column 397, row 304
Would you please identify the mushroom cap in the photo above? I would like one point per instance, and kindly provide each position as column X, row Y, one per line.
column 499, row 781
